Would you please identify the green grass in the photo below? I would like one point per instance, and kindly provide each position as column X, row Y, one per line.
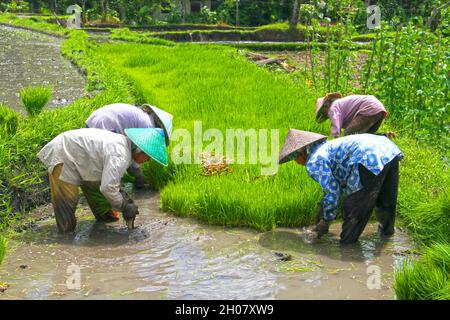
column 439, row 256
column 427, row 279
column 139, row 37
column 9, row 121
column 35, row 98
column 3, row 243
column 36, row 23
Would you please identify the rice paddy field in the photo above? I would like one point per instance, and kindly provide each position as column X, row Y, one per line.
column 215, row 86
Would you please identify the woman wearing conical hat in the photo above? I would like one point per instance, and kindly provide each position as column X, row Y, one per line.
column 96, row 160
column 354, row 113
column 117, row 117
column 363, row 168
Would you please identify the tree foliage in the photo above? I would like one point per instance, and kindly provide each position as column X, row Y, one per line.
column 251, row 12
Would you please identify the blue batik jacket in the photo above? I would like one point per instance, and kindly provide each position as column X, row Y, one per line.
column 334, row 165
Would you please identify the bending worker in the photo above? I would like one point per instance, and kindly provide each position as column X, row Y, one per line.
column 120, row 116
column 96, row 160
column 354, row 113
column 363, row 167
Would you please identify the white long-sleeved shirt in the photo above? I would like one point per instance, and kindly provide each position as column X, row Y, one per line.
column 91, row 155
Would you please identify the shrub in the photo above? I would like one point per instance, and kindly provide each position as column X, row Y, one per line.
column 34, row 99
column 9, row 120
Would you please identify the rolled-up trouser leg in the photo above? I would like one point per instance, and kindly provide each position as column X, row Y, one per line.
column 64, row 200
column 364, row 124
column 99, row 205
column 358, row 206
column 386, row 203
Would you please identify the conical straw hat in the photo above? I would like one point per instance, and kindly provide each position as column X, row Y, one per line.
column 151, row 141
column 295, row 141
column 163, row 117
column 321, row 102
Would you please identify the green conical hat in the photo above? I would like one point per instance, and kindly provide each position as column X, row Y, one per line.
column 151, row 141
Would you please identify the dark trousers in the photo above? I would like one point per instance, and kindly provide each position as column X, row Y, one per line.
column 379, row 192
column 364, row 124
column 65, row 199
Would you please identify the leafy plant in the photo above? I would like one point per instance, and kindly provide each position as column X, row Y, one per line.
column 34, row 99
column 16, row 6
column 208, row 16
column 9, row 120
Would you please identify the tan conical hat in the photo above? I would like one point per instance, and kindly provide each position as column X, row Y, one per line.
column 297, row 140
column 321, row 102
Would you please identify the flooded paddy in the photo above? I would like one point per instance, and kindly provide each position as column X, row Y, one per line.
column 33, row 58
column 168, row 257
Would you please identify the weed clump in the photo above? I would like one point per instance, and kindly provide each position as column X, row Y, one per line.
column 34, row 99
column 9, row 120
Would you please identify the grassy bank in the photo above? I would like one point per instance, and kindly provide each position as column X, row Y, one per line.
column 35, row 23
column 138, row 37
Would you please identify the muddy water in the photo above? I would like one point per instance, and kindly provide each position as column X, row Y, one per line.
column 177, row 258
column 33, row 58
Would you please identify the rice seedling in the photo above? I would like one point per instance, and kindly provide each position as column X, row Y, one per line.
column 426, row 279
column 35, row 98
column 439, row 256
column 9, row 120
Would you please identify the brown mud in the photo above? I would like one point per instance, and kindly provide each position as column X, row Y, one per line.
column 168, row 257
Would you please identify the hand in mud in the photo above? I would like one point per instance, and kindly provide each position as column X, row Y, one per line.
column 321, row 228
column 129, row 213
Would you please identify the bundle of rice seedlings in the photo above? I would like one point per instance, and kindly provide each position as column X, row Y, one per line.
column 34, row 99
